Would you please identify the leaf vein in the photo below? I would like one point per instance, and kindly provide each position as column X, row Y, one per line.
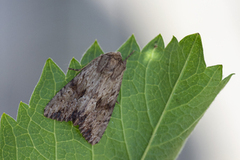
column 170, row 97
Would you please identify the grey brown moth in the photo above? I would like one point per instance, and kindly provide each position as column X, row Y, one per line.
column 88, row 99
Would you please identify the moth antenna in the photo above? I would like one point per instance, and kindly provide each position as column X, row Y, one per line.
column 74, row 69
column 129, row 55
column 78, row 70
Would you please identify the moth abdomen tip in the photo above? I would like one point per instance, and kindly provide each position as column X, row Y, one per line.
column 51, row 116
column 74, row 115
column 46, row 115
column 87, row 135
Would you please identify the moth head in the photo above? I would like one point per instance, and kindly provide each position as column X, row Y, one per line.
column 114, row 59
column 111, row 64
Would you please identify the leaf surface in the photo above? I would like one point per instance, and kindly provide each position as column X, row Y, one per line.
column 165, row 92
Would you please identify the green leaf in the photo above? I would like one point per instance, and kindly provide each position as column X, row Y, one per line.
column 165, row 92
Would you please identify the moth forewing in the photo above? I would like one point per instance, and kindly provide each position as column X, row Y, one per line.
column 89, row 99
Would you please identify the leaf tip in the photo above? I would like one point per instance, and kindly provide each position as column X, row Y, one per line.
column 3, row 115
column 159, row 36
column 229, row 76
column 194, row 35
column 132, row 36
column 74, row 59
column 95, row 42
column 49, row 60
column 173, row 37
column 95, row 45
column 130, row 39
column 197, row 35
column 21, row 102
column 73, row 63
column 173, row 40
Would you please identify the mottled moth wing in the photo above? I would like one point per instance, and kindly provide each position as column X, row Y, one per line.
column 88, row 99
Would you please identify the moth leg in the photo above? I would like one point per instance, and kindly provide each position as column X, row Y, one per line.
column 75, row 69
column 129, row 55
column 117, row 102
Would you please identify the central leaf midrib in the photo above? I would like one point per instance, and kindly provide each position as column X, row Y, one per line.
column 124, row 135
column 170, row 97
column 54, row 123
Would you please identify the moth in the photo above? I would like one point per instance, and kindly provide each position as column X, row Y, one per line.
column 88, row 99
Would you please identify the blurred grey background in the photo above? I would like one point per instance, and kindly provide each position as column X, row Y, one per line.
column 33, row 31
